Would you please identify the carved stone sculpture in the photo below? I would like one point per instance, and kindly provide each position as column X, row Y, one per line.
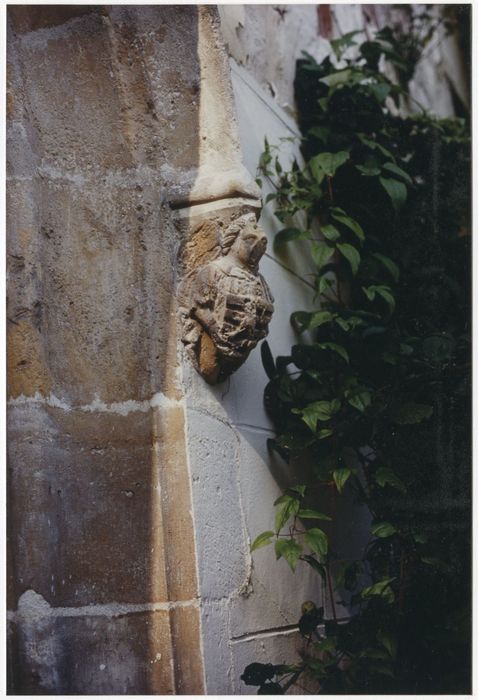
column 226, row 303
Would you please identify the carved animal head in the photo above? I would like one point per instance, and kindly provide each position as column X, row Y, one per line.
column 245, row 240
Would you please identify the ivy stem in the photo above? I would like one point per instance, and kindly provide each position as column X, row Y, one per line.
column 290, row 682
column 331, row 592
column 329, row 188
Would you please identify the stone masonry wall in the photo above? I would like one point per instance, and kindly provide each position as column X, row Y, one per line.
column 103, row 110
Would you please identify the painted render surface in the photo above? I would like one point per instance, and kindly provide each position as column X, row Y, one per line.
column 135, row 488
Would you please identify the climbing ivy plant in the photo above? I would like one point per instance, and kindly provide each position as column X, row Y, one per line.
column 374, row 396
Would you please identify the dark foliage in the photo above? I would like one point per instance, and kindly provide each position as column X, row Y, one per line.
column 376, row 393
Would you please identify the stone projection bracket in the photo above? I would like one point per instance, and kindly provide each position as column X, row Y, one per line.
column 225, row 304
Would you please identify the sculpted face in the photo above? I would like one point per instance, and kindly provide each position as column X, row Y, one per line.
column 250, row 245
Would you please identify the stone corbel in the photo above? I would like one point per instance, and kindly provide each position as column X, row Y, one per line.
column 225, row 303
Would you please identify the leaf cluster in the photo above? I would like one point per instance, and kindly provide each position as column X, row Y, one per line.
column 376, row 390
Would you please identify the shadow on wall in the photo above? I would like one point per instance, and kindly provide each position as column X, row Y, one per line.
column 102, row 124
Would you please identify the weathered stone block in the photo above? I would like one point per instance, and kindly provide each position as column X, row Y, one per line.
column 185, row 635
column 113, row 88
column 222, row 549
column 80, row 516
column 92, row 654
column 173, row 531
column 91, row 273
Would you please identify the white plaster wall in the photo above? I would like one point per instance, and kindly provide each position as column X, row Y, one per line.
column 268, row 39
column 250, row 605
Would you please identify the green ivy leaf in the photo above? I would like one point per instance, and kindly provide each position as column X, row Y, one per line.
column 330, row 232
column 342, row 44
column 317, row 566
column 324, row 284
column 436, row 564
column 305, row 320
column 388, row 640
column 319, row 318
column 383, row 530
column 384, row 476
column 335, row 347
column 262, row 540
column 340, row 477
column 383, row 669
column 368, row 171
column 321, row 254
column 360, row 400
column 378, row 589
column 290, row 234
column 337, row 78
column 339, row 215
column 390, row 358
column 351, row 254
column 290, row 550
column 396, row 190
column 374, row 654
column 320, row 132
column 389, row 265
column 286, row 507
column 316, row 539
column 411, row 413
column 350, row 322
column 380, row 90
column 299, row 489
column 387, row 295
column 385, row 292
column 316, row 170
column 318, row 411
column 396, row 170
column 374, row 145
column 328, row 163
column 312, row 514
column 420, row 537
column 268, row 360
column 265, row 158
column 325, row 433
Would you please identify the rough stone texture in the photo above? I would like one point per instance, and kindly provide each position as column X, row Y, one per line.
column 89, row 203
column 104, row 136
